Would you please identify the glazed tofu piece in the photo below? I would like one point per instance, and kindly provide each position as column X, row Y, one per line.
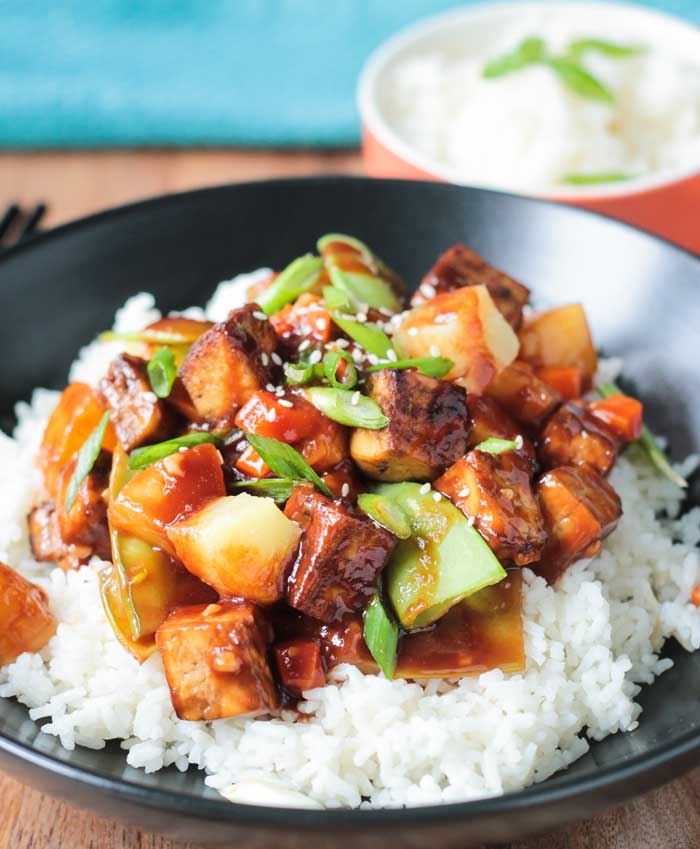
column 495, row 491
column 228, row 363
column 47, row 544
column 241, row 545
column 426, row 433
column 26, row 623
column 466, row 327
column 460, row 266
column 85, row 524
column 215, row 659
column 342, row 553
column 168, row 490
column 138, row 415
column 575, row 437
column 299, row 665
column 580, row 509
column 489, row 419
column 326, row 447
column 523, row 395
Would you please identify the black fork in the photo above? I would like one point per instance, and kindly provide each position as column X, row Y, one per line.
column 18, row 224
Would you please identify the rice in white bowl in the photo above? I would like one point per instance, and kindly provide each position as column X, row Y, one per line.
column 526, row 130
column 366, row 741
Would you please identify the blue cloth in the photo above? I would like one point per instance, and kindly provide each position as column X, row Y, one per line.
column 182, row 72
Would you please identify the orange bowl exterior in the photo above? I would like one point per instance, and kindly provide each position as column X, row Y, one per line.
column 671, row 211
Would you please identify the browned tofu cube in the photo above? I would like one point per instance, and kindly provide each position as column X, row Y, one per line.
column 26, row 623
column 47, row 545
column 326, row 447
column 523, row 395
column 575, row 437
column 228, row 363
column 490, row 420
column 139, row 417
column 495, row 491
column 460, row 266
column 215, row 659
column 426, row 433
column 86, row 522
column 580, row 509
column 341, row 554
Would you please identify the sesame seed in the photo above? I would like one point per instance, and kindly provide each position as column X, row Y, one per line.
column 242, row 445
column 181, row 449
column 470, row 521
column 264, row 359
column 436, row 497
column 384, row 311
column 355, row 400
column 342, row 343
column 345, row 489
column 428, row 290
column 315, row 357
column 518, row 441
column 260, row 315
column 391, row 355
column 270, row 387
column 463, row 493
column 305, row 344
column 434, row 351
column 357, row 355
column 412, row 331
column 151, row 397
column 279, row 392
column 320, row 323
column 373, row 359
column 276, row 359
column 271, row 414
column 285, row 403
column 425, row 489
column 361, row 316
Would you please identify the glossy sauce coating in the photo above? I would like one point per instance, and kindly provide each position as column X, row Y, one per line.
column 26, row 623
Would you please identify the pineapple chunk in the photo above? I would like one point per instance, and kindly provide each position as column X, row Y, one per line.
column 465, row 326
column 26, row 623
column 238, row 544
column 560, row 337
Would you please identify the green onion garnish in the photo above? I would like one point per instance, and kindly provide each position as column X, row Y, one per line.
column 279, row 489
column 162, row 372
column 386, row 513
column 595, row 179
column 381, row 635
column 301, row 373
column 647, row 441
column 347, row 407
column 494, row 445
column 577, row 79
column 330, row 367
column 141, row 458
column 607, row 48
column 372, row 338
column 150, row 337
column 528, row 52
column 430, row 366
column 336, row 299
column 298, row 277
column 285, row 461
column 86, row 460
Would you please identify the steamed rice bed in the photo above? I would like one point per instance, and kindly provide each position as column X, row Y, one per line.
column 590, row 644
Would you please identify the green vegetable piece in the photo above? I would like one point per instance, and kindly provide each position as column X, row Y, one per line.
column 330, row 367
column 299, row 374
column 381, row 635
column 162, row 372
column 298, row 277
column 648, row 443
column 286, row 461
column 430, row 366
column 279, row 489
column 347, row 407
column 150, row 337
column 528, row 52
column 386, row 513
column 494, row 445
column 141, row 458
column 86, row 460
column 336, row 299
column 444, row 561
column 579, row 80
column 367, row 255
column 372, row 338
column 595, row 179
column 598, row 45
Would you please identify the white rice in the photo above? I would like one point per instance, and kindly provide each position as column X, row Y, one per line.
column 525, row 130
column 370, row 742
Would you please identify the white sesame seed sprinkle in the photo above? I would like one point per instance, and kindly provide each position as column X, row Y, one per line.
column 463, row 493
column 271, row 414
column 355, row 400
column 361, row 316
column 391, row 355
column 304, row 345
column 315, row 357
column 470, row 521
column 151, row 397
column 425, row 489
column 260, row 315
column 276, row 359
column 412, row 331
column 357, row 355
column 434, row 351
column 428, row 290
column 320, row 323
column 436, row 497
column 285, row 403
column 518, row 441
column 373, row 359
column 270, row 387
column 384, row 311
column 242, row 445
column 345, row 489
column 264, row 359
column 342, row 343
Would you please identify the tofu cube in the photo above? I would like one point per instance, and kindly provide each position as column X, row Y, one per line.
column 523, row 395
column 575, row 437
column 228, row 363
column 215, row 659
column 138, row 415
column 239, row 544
column 26, row 623
column 341, row 555
column 47, row 544
column 464, row 326
column 426, row 433
column 489, row 419
column 495, row 491
column 580, row 509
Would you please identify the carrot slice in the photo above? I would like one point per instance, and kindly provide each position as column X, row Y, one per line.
column 567, row 380
column 622, row 414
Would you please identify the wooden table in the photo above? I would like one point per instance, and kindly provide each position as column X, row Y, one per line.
column 75, row 184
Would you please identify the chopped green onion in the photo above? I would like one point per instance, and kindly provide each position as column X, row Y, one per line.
column 286, row 461
column 150, row 337
column 372, row 338
column 162, row 371
column 529, row 51
column 647, row 441
column 430, row 366
column 577, row 79
column 336, row 299
column 86, row 460
column 141, row 458
column 367, row 255
column 607, row 48
column 298, row 277
column 381, row 634
column 279, row 489
column 386, row 513
column 595, row 179
column 347, row 407
column 494, row 445
column 299, row 374
column 364, row 288
column 330, row 367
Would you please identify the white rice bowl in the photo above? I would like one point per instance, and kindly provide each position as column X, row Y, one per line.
column 365, row 741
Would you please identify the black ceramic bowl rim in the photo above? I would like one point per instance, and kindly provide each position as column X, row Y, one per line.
column 656, row 766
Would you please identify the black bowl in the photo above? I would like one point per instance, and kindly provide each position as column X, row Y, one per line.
column 643, row 299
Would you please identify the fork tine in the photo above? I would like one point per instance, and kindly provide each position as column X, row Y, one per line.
column 8, row 219
column 32, row 222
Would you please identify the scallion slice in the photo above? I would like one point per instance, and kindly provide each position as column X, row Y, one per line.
column 286, row 461
column 141, row 458
column 430, row 366
column 162, row 371
column 298, row 277
column 381, row 634
column 86, row 460
column 372, row 338
column 494, row 445
column 347, row 407
column 386, row 513
column 279, row 489
column 330, row 368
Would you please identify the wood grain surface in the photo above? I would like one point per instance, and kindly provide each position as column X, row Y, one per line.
column 78, row 183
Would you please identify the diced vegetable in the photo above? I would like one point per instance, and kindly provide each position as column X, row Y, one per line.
column 494, row 445
column 575, row 437
column 339, row 370
column 239, row 544
column 306, row 319
column 162, row 371
column 560, row 337
column 250, row 463
column 299, row 276
column 381, row 634
column 348, row 407
column 386, row 513
column 464, row 326
column 523, row 395
column 85, row 461
column 444, row 561
column 429, row 366
column 621, row 414
column 326, row 448
column 142, row 458
column 299, row 665
column 371, row 337
column 489, row 420
column 278, row 489
column 566, row 380
column 26, row 622
column 285, row 461
column 265, row 415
